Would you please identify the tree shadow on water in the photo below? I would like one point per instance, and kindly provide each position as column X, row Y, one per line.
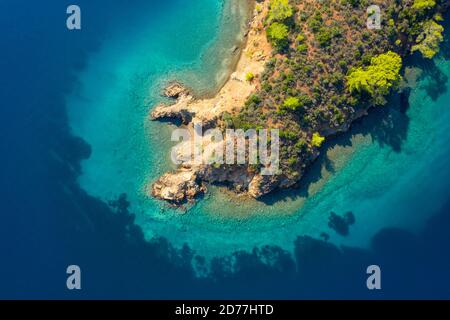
column 436, row 80
column 341, row 224
column 385, row 125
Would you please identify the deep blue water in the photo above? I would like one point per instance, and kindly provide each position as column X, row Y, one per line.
column 49, row 222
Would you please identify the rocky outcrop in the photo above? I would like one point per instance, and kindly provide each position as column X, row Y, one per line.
column 179, row 110
column 185, row 184
column 178, row 187
column 262, row 185
column 188, row 181
column 175, row 90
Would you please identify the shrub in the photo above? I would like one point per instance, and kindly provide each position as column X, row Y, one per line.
column 317, row 140
column 292, row 161
column 249, row 76
column 301, row 145
column 315, row 22
column 324, row 37
column 302, row 48
column 291, row 103
column 288, row 135
column 300, row 38
column 253, row 100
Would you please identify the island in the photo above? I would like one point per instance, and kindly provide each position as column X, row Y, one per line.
column 308, row 69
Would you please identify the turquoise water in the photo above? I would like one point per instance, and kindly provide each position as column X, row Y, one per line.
column 390, row 170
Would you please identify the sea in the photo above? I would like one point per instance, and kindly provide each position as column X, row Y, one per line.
column 79, row 153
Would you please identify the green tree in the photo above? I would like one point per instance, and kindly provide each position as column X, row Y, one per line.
column 429, row 39
column 295, row 103
column 279, row 11
column 421, row 5
column 378, row 78
column 317, row 140
column 291, row 103
column 278, row 34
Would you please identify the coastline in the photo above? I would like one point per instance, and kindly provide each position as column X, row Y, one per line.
column 196, row 230
column 244, row 9
column 188, row 181
column 254, row 52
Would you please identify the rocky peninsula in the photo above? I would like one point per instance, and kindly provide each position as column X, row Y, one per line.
column 307, row 69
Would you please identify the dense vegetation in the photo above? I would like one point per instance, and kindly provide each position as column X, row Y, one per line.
column 328, row 66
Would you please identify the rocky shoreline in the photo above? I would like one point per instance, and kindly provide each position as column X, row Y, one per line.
column 190, row 179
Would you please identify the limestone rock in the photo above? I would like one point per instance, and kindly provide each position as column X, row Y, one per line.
column 179, row 110
column 262, row 185
column 178, row 187
column 175, row 90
